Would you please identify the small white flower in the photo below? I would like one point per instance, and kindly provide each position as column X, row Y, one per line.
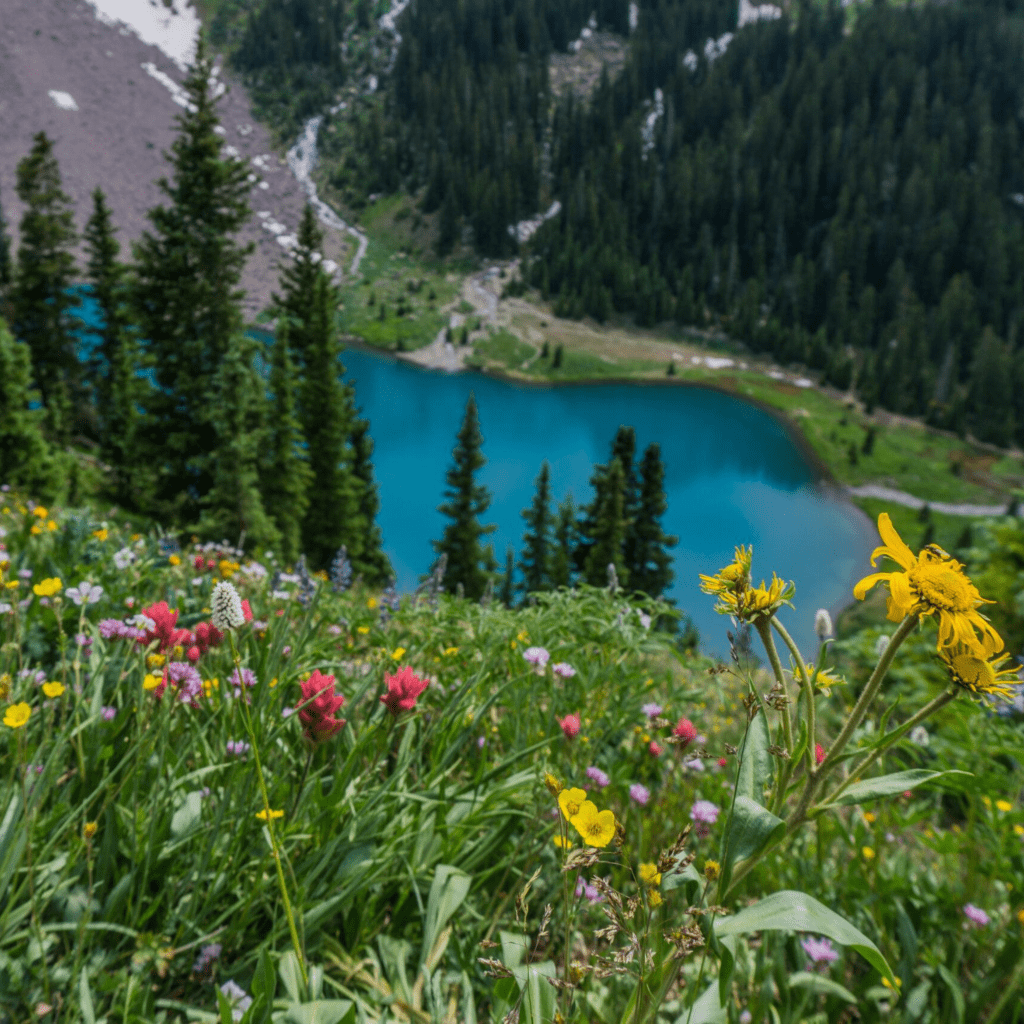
column 823, row 624
column 85, row 593
column 227, row 607
column 919, row 735
column 124, row 558
column 5, row 608
column 645, row 619
column 142, row 622
column 236, row 995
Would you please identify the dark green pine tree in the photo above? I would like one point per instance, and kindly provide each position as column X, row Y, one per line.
column 650, row 564
column 233, row 507
column 536, row 563
column 286, row 474
column 566, row 539
column 41, row 306
column 6, row 266
column 369, row 558
column 186, row 304
column 27, row 460
column 624, row 449
column 298, row 279
column 114, row 370
column 605, row 527
column 469, row 562
column 326, row 424
column 507, row 594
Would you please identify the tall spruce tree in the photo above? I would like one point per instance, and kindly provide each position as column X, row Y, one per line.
column 118, row 389
column 287, row 476
column 326, row 424
column 535, row 564
column 233, row 507
column 6, row 266
column 41, row 305
column 507, row 594
column 469, row 561
column 186, row 304
column 606, row 526
column 624, row 449
column 27, row 459
column 564, row 546
column 649, row 563
column 372, row 563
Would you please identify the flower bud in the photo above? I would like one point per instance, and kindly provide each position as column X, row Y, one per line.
column 823, row 624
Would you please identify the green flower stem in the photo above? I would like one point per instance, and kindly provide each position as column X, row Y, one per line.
column 764, row 630
column 807, row 687
column 704, row 952
column 890, row 738
column 270, row 821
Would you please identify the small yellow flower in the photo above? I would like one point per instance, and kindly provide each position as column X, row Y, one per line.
column 12, row 584
column 17, row 715
column 36, row 530
column 869, row 817
column 396, row 654
column 89, row 830
column 523, row 636
column 228, row 568
column 174, row 559
column 5, row 685
column 155, row 660
column 596, row 827
column 654, row 898
column 570, row 801
column 273, row 682
column 1004, row 805
column 53, row 689
column 554, row 786
column 712, row 869
column 1018, row 830
column 362, row 629
column 48, row 587
column 562, row 843
column 867, row 853
column 100, row 534
column 449, row 651
column 987, row 802
column 649, row 874
column 513, row 645
column 1020, row 915
column 371, row 603
column 40, row 512
column 151, row 682
column 51, row 525
column 136, row 536
column 262, row 815
column 888, row 984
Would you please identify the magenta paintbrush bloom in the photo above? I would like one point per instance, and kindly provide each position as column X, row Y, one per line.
column 318, row 716
column 404, row 687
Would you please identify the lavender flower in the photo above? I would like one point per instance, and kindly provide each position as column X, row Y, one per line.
column 240, row 999
column 976, row 915
column 704, row 812
column 85, row 593
column 237, row 748
column 186, row 680
column 645, row 619
column 536, row 656
column 247, row 678
column 820, row 951
column 651, row 710
column 341, row 571
column 596, row 775
column 639, row 794
column 108, row 713
column 205, row 959
column 563, row 670
column 115, row 629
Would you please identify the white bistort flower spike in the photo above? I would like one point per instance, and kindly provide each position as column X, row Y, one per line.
column 227, row 607
column 823, row 624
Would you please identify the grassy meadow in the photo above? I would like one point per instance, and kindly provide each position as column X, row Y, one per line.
column 551, row 813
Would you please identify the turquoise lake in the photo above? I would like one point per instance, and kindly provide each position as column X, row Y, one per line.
column 733, row 475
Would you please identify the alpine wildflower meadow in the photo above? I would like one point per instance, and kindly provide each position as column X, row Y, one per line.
column 234, row 790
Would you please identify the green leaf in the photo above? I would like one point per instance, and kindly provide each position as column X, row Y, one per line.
column 756, row 768
column 264, row 980
column 224, row 1008
column 538, row 1006
column 288, row 969
column 707, row 1009
column 514, row 947
column 887, row 785
column 954, row 990
column 821, row 986
column 751, row 828
column 447, row 891
column 85, row 999
column 187, row 817
column 797, row 912
column 320, row 1011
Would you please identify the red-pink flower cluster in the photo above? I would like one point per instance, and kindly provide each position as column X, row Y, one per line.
column 404, row 687
column 570, row 725
column 686, row 731
column 318, row 715
column 195, row 644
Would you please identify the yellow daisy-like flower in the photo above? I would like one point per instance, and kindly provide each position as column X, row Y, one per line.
column 101, row 534
column 53, row 689
column 932, row 583
column 596, row 827
column 17, row 715
column 562, row 843
column 397, row 653
column 571, row 802
column 449, row 651
column 649, row 874
column 736, row 595
column 262, row 815
column 362, row 629
column 51, row 525
column 155, row 660
column 734, row 577
column 980, row 675
column 654, row 899
column 712, row 869
column 228, row 568
column 40, row 512
column 1004, row 805
column 1018, row 830
column 151, row 682
column 371, row 603
column 174, row 559
column 48, row 587
column 89, row 830
column 867, row 853
column 36, row 530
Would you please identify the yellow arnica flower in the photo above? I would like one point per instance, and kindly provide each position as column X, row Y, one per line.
column 262, row 815
column 53, row 689
column 596, row 827
column 100, row 535
column 649, row 874
column 980, row 675
column 36, row 530
column 571, row 801
column 562, row 843
column 40, row 512
column 174, row 559
column 51, row 525
column 932, row 583
column 17, row 715
column 734, row 577
column 867, row 853
column 396, row 654
column 48, row 587
column 1018, row 830
column 1004, row 805
column 737, row 597
column 151, row 682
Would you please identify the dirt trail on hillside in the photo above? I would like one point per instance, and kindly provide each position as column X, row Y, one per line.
column 124, row 121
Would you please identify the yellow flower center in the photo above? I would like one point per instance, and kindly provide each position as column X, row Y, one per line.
column 941, row 585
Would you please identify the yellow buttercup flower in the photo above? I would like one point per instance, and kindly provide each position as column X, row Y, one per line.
column 48, row 587
column 396, row 654
column 932, row 583
column 979, row 674
column 1004, row 805
column 151, row 682
column 262, row 815
column 17, row 715
column 51, row 525
column 649, row 874
column 53, row 689
column 562, row 843
column 174, row 559
column 867, row 853
column 101, row 534
column 40, row 512
column 570, row 801
column 596, row 827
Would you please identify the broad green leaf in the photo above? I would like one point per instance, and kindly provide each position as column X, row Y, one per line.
column 954, row 990
column 447, row 891
column 797, row 912
column 756, row 767
column 514, row 947
column 707, row 1009
column 187, row 817
column 887, row 785
column 291, row 976
column 85, row 999
column 393, row 956
column 820, row 985
column 538, row 1006
column 319, row 1011
column 224, row 1008
column 751, row 828
column 689, row 879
